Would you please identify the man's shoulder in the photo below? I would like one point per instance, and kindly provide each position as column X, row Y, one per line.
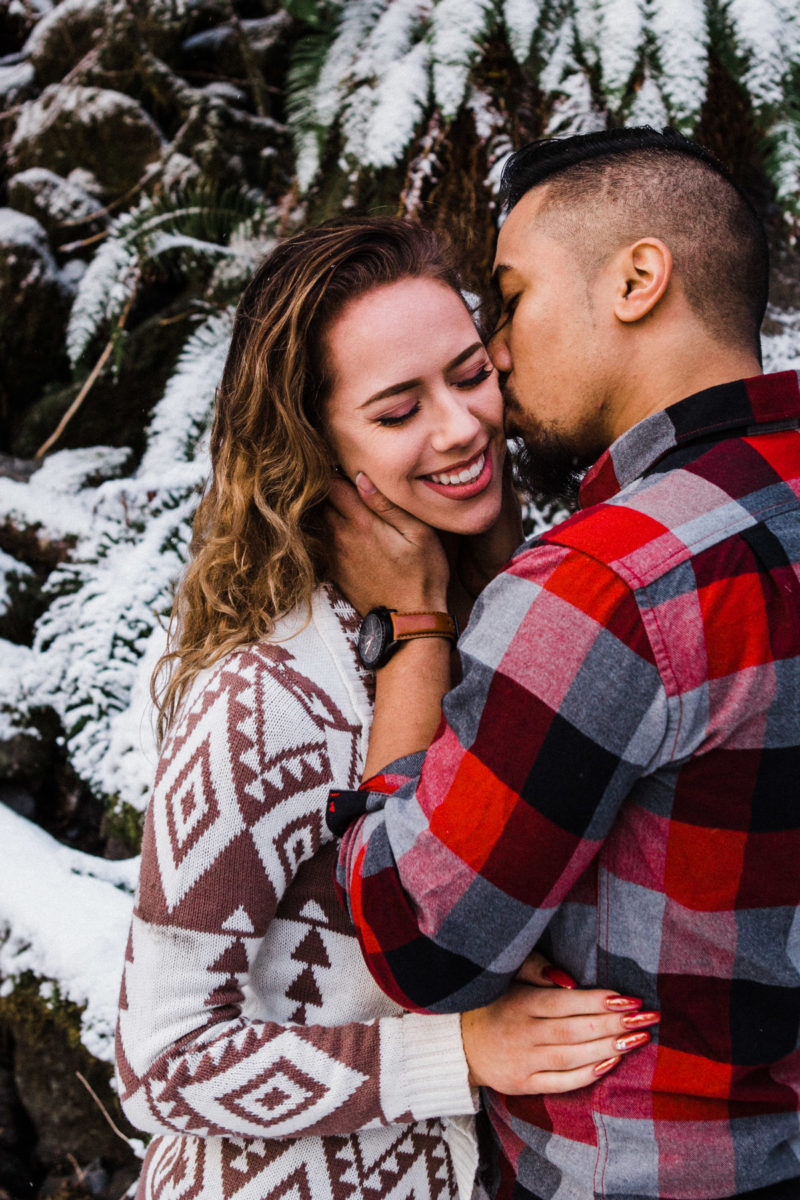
column 686, row 506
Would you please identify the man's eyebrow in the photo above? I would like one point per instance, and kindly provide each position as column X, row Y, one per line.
column 497, row 274
column 397, row 389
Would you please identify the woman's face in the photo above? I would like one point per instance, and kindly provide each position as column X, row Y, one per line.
column 415, row 404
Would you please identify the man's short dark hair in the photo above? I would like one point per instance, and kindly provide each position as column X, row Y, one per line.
column 657, row 185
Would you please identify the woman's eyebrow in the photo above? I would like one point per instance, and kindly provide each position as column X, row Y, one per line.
column 397, row 388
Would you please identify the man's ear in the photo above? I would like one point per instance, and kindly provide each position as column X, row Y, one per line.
column 644, row 271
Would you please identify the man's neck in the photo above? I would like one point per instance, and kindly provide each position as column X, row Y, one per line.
column 670, row 376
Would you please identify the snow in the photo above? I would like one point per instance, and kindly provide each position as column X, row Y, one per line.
column 759, row 33
column 521, row 19
column 64, row 917
column 14, row 79
column 10, row 569
column 680, row 37
column 458, row 30
column 18, row 229
column 781, row 347
column 648, row 107
column 53, row 502
column 17, row 666
column 128, row 768
column 574, row 109
column 183, row 412
column 392, row 111
column 619, row 40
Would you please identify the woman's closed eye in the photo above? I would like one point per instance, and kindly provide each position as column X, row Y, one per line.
column 388, row 420
column 477, row 377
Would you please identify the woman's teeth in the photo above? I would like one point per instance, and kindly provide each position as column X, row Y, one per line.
column 465, row 476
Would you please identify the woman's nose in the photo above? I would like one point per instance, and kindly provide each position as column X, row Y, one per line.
column 456, row 425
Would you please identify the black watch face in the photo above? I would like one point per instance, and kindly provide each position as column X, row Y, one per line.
column 372, row 640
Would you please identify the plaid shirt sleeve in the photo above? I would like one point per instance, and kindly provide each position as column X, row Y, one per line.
column 464, row 854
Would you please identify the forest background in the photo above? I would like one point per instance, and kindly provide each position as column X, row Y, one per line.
column 151, row 151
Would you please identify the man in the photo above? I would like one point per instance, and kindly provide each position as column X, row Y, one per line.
column 617, row 776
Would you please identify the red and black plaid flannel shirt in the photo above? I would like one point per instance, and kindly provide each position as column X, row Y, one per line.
column 617, row 779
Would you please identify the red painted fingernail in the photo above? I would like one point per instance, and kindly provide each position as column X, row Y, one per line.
column 639, row 1020
column 622, row 1003
column 606, row 1065
column 558, row 977
column 631, row 1041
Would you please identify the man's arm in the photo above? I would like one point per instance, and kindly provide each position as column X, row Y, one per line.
column 453, row 878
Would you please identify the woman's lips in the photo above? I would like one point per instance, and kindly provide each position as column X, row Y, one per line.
column 478, row 472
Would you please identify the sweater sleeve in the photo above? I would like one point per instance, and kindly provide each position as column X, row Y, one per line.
column 237, row 809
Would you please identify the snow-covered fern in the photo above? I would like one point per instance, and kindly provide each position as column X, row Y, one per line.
column 382, row 73
column 172, row 233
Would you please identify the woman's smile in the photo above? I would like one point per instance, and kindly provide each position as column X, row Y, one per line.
column 462, row 481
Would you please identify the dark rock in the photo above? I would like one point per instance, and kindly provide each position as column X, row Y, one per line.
column 21, row 601
column 61, row 39
column 54, row 201
column 97, row 129
column 47, row 1057
column 231, row 146
column 234, row 51
column 34, row 302
column 21, row 758
column 19, row 469
column 20, row 801
column 17, row 1135
column 116, row 410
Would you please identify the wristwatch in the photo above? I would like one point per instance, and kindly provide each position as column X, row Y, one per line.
column 384, row 629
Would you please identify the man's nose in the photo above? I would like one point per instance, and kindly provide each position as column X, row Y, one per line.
column 499, row 353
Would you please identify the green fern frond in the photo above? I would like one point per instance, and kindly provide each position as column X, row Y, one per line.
column 174, row 234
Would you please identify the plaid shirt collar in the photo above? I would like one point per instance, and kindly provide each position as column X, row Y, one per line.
column 745, row 406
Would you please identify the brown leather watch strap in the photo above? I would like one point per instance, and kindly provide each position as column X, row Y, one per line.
column 423, row 624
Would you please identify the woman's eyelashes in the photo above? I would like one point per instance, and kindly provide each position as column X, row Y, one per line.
column 475, row 379
column 389, row 420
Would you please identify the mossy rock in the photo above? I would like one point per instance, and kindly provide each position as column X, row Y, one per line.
column 47, row 1058
column 122, row 828
column 98, row 129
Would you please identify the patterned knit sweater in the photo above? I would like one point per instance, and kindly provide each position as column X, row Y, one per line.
column 251, row 1038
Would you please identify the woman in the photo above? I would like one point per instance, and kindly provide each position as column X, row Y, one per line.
column 251, row 1037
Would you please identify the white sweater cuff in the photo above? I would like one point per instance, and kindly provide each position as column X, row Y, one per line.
column 424, row 1068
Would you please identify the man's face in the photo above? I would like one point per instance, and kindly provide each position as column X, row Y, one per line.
column 554, row 345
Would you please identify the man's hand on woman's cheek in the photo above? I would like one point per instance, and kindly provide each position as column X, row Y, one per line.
column 381, row 555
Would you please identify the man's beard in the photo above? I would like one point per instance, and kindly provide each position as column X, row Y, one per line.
column 548, row 465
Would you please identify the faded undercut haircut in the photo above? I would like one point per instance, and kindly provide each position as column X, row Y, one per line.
column 607, row 189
